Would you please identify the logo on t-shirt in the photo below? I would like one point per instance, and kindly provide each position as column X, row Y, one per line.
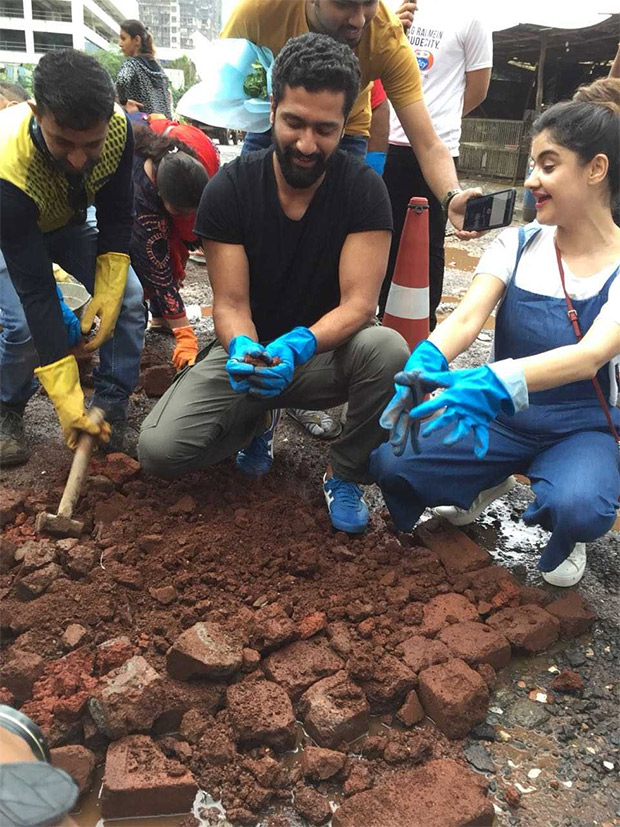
column 425, row 59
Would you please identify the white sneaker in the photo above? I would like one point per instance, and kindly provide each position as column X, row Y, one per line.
column 570, row 572
column 465, row 516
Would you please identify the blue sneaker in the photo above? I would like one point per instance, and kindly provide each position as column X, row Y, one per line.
column 257, row 459
column 347, row 509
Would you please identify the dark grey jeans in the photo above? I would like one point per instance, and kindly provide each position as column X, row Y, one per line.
column 200, row 420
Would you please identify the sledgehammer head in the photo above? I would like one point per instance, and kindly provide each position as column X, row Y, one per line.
column 58, row 525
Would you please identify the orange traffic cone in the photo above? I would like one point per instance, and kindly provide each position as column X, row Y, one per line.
column 407, row 307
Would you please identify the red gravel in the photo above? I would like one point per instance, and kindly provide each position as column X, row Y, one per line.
column 206, row 615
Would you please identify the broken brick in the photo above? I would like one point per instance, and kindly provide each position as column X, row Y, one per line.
column 411, row 712
column 528, row 627
column 573, row 613
column 420, row 652
column 300, row 664
column 128, row 699
column 78, row 762
column 334, row 710
column 454, row 696
column 445, row 609
column 476, row 643
column 261, row 713
column 456, row 551
column 206, row 650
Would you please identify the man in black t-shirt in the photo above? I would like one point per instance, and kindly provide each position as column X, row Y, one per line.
column 296, row 239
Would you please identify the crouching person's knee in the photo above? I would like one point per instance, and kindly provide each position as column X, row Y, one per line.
column 156, row 456
column 383, row 347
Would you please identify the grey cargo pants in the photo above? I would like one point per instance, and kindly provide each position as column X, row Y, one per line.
column 201, row 420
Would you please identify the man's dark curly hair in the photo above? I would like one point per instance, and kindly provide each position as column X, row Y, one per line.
column 75, row 88
column 317, row 62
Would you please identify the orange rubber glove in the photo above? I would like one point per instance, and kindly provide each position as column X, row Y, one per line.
column 187, row 347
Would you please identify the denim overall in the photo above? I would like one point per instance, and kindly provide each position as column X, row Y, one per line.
column 562, row 442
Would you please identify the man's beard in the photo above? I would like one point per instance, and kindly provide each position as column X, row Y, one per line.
column 296, row 176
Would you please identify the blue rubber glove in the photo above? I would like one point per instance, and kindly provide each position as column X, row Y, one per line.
column 425, row 358
column 293, row 349
column 72, row 323
column 376, row 160
column 238, row 370
column 474, row 397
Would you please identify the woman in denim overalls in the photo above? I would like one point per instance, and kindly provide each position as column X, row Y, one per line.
column 534, row 410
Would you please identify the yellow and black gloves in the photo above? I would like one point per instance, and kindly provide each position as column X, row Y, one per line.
column 61, row 380
column 110, row 280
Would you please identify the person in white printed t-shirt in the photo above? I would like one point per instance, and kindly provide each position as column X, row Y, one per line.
column 455, row 55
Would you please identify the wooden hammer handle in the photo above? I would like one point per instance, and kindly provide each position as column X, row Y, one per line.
column 86, row 443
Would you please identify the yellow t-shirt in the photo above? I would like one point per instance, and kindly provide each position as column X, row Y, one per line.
column 383, row 52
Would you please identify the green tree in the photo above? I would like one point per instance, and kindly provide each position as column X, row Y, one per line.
column 111, row 61
column 189, row 70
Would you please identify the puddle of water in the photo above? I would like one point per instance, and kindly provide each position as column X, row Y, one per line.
column 458, row 259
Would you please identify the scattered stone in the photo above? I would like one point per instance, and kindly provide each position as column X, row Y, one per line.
column 334, row 710
column 113, row 653
column 34, row 584
column 157, row 379
column 34, row 554
column 79, row 560
column 78, row 761
column 19, row 674
column 573, row 613
column 99, row 483
column 301, row 664
column 420, row 652
column 569, row 682
column 7, row 554
column 271, row 628
column 312, row 806
column 11, row 502
column 184, row 505
column 205, row 650
column 312, row 624
column 575, row 658
column 533, row 594
column 164, row 595
column 484, row 732
column 445, row 609
column 390, row 682
column 528, row 627
column 359, row 779
column 74, row 635
column 455, row 550
column 251, row 659
column 476, row 643
column 528, row 714
column 320, row 764
column 128, row 576
column 442, row 793
column 340, row 639
column 120, row 468
column 496, row 586
column 512, row 796
column 411, row 711
column 454, row 696
column 487, row 673
column 140, row 781
column 261, row 713
column 128, row 699
column 479, row 757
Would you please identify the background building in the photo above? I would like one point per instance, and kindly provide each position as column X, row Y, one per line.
column 174, row 22
column 29, row 28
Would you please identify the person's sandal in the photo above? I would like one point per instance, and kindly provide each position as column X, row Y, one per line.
column 317, row 423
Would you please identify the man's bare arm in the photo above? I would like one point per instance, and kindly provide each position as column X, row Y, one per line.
column 380, row 128
column 476, row 89
column 229, row 274
column 363, row 262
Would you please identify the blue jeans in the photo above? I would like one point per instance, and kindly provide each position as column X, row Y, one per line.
column 356, row 144
column 575, row 478
column 74, row 248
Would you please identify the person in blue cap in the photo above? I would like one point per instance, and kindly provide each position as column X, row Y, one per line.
column 546, row 406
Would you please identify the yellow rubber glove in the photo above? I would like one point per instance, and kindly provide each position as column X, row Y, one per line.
column 61, row 380
column 110, row 280
column 187, row 347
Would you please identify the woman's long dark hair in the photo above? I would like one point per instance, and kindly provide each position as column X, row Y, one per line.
column 135, row 28
column 180, row 176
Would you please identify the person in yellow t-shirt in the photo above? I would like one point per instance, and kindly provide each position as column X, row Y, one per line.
column 377, row 38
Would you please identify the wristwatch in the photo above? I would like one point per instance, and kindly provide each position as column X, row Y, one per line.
column 447, row 198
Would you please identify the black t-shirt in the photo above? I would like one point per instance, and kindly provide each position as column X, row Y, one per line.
column 294, row 265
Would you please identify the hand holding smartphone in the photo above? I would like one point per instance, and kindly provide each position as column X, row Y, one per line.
column 487, row 212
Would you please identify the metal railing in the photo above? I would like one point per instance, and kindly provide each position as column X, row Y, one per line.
column 11, row 11
column 45, row 14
